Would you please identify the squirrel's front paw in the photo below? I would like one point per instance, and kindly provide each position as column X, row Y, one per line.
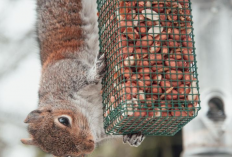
column 98, row 71
column 101, row 65
column 133, row 139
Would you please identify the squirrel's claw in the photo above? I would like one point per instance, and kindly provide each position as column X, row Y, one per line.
column 101, row 65
column 133, row 139
column 102, row 56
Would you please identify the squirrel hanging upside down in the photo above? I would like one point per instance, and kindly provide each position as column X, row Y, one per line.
column 69, row 119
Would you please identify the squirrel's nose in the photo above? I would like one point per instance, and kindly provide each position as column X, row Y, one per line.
column 91, row 141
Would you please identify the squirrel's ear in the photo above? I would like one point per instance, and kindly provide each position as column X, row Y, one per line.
column 34, row 116
column 28, row 141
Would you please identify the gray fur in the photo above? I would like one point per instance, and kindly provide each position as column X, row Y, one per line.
column 71, row 77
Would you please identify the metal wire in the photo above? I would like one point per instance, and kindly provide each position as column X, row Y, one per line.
column 151, row 85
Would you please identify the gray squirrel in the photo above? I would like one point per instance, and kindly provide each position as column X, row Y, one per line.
column 69, row 118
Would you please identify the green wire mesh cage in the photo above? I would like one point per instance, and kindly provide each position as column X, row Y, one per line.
column 151, row 85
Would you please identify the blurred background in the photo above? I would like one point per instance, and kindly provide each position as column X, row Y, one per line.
column 210, row 134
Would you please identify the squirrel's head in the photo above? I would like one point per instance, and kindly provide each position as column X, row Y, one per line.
column 61, row 132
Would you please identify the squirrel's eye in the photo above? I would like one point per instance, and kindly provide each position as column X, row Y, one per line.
column 64, row 121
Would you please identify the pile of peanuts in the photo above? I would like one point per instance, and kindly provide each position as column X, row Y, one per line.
column 151, row 62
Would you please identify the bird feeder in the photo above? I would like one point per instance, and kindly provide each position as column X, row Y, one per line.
column 151, row 81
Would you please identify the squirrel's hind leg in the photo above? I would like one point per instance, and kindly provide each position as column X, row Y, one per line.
column 133, row 139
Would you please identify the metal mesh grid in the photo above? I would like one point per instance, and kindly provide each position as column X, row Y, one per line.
column 151, row 85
